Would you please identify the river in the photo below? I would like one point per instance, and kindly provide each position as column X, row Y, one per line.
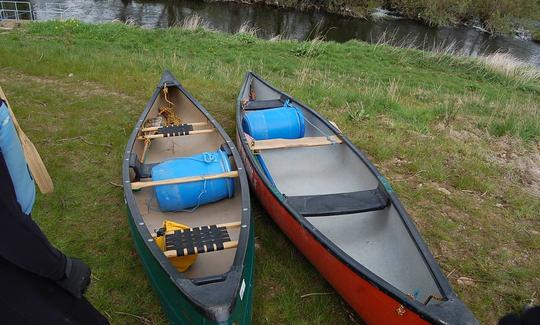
column 290, row 24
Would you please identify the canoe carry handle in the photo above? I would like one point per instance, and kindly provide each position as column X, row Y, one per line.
column 181, row 180
column 198, row 240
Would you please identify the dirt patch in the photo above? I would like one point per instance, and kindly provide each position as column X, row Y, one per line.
column 85, row 89
column 463, row 135
column 530, row 170
column 509, row 153
column 9, row 24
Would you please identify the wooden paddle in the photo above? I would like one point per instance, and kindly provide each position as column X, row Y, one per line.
column 33, row 159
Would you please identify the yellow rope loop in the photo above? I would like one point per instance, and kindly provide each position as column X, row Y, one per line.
column 165, row 93
column 168, row 111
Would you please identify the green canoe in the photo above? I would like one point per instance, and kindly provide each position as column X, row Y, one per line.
column 218, row 287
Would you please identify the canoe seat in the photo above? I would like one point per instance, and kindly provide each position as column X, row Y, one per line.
column 198, row 240
column 340, row 203
column 254, row 105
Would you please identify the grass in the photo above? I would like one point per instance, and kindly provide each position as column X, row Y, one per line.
column 454, row 136
column 536, row 35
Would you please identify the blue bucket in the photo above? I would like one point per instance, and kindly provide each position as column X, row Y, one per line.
column 179, row 197
column 285, row 122
column 11, row 149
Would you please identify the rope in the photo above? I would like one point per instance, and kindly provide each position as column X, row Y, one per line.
column 328, row 136
column 168, row 111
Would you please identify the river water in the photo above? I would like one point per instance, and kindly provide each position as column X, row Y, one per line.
column 290, row 24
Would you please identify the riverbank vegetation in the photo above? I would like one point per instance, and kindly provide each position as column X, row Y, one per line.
column 536, row 35
column 491, row 15
column 458, row 139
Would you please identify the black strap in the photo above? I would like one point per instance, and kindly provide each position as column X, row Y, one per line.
column 205, row 238
column 175, row 130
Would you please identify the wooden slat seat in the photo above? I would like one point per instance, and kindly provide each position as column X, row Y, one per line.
column 198, row 240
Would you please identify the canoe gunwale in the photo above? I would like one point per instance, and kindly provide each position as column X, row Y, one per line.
column 193, row 289
column 439, row 278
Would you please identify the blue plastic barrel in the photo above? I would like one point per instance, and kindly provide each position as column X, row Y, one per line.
column 185, row 196
column 11, row 149
column 285, row 122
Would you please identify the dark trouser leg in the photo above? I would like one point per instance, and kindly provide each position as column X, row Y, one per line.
column 26, row 298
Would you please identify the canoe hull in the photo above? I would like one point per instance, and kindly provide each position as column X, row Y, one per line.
column 216, row 293
column 371, row 303
column 177, row 307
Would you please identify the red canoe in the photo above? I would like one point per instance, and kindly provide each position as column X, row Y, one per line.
column 342, row 214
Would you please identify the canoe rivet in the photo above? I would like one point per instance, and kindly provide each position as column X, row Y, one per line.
column 245, row 209
column 244, row 226
column 400, row 310
column 239, row 168
column 141, row 223
column 127, row 182
column 150, row 239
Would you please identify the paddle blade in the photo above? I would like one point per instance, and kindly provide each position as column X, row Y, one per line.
column 33, row 159
column 36, row 165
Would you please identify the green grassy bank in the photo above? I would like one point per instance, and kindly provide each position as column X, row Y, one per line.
column 459, row 142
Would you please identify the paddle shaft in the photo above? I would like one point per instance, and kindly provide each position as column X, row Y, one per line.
column 190, row 179
column 33, row 159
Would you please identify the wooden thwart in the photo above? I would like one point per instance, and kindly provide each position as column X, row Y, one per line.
column 228, row 225
column 198, row 240
column 175, row 253
column 190, row 179
column 155, row 136
column 291, row 143
column 155, row 128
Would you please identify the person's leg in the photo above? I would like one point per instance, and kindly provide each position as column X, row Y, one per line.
column 26, row 298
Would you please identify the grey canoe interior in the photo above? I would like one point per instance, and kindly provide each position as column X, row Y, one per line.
column 378, row 239
column 224, row 211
